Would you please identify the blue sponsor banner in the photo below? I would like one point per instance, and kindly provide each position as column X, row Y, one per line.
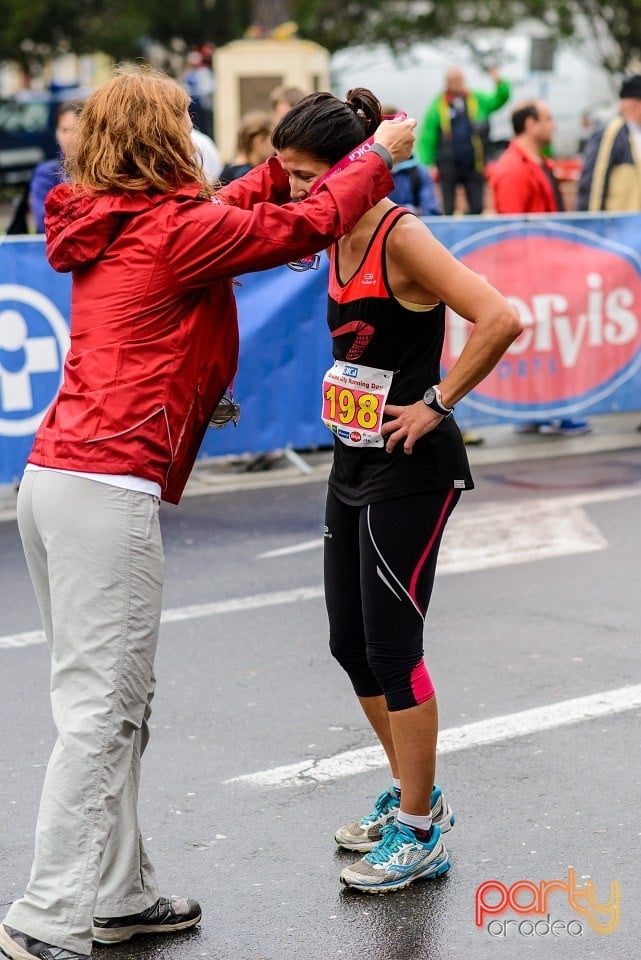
column 34, row 337
column 576, row 281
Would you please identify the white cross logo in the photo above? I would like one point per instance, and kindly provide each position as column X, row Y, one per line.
column 40, row 356
column 31, row 355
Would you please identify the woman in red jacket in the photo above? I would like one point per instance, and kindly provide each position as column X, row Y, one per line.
column 154, row 344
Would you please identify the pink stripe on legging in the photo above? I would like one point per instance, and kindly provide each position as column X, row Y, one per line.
column 428, row 549
column 422, row 686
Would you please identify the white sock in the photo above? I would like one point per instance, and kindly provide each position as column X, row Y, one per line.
column 396, row 783
column 411, row 820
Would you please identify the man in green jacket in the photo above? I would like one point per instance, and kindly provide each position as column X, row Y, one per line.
column 454, row 134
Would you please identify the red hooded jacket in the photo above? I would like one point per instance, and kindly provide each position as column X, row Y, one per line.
column 154, row 332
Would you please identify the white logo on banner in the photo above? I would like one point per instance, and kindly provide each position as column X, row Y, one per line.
column 33, row 354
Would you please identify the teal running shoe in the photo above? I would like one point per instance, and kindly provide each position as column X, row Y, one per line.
column 397, row 861
column 363, row 835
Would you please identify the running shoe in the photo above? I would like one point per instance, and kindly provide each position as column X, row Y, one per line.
column 163, row 916
column 565, row 427
column 472, row 439
column 363, row 835
column 398, row 860
column 19, row 946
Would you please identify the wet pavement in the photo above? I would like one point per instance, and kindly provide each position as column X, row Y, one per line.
column 536, row 605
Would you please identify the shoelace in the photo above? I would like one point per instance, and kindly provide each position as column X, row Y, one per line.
column 392, row 840
column 384, row 802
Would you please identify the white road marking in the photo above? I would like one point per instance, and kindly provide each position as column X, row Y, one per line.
column 238, row 604
column 500, row 534
column 177, row 614
column 314, row 544
column 487, row 535
column 453, row 739
column 26, row 639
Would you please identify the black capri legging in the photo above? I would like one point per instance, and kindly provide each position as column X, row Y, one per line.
column 380, row 562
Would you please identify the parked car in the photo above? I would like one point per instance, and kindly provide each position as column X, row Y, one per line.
column 28, row 131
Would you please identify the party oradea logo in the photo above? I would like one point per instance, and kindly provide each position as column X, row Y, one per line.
column 528, row 909
column 578, row 297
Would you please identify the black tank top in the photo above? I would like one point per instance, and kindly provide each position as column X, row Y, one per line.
column 370, row 326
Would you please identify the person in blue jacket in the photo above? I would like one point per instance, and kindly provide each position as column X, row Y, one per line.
column 414, row 188
column 50, row 173
column 413, row 184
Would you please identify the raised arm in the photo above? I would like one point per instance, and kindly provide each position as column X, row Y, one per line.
column 211, row 240
column 269, row 182
column 222, row 239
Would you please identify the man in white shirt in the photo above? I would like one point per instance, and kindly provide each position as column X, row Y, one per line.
column 611, row 174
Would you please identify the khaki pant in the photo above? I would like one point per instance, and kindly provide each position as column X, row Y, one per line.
column 96, row 561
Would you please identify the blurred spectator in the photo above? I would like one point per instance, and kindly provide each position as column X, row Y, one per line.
column 208, row 152
column 413, row 184
column 198, row 76
column 254, row 145
column 50, row 173
column 611, row 174
column 200, row 82
column 454, row 135
column 282, row 99
column 414, row 188
column 522, row 181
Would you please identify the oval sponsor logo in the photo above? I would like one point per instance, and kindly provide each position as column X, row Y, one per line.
column 355, row 436
column 34, row 339
column 578, row 297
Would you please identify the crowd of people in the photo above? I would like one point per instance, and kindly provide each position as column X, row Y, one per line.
column 450, row 160
column 451, row 155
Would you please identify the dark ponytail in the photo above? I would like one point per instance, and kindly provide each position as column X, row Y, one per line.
column 328, row 128
column 365, row 105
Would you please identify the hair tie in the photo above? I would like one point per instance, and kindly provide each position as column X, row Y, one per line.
column 360, row 113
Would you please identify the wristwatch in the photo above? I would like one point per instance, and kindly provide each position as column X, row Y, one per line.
column 432, row 399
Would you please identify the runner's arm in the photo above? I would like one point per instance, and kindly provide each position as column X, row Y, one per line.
column 220, row 240
column 421, row 269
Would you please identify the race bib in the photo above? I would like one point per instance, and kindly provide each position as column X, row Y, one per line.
column 353, row 400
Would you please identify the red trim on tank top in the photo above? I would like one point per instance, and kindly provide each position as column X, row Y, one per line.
column 397, row 213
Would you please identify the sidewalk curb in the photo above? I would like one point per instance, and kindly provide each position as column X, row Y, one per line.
column 501, row 445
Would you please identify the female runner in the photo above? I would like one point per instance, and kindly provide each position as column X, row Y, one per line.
column 395, row 477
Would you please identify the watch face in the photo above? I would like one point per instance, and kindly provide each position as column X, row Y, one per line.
column 429, row 396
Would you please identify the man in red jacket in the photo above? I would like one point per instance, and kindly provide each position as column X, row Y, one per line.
column 522, row 179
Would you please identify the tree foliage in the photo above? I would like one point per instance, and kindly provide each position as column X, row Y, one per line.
column 34, row 29
column 340, row 23
column 617, row 29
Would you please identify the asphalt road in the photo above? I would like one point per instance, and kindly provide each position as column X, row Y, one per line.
column 537, row 605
